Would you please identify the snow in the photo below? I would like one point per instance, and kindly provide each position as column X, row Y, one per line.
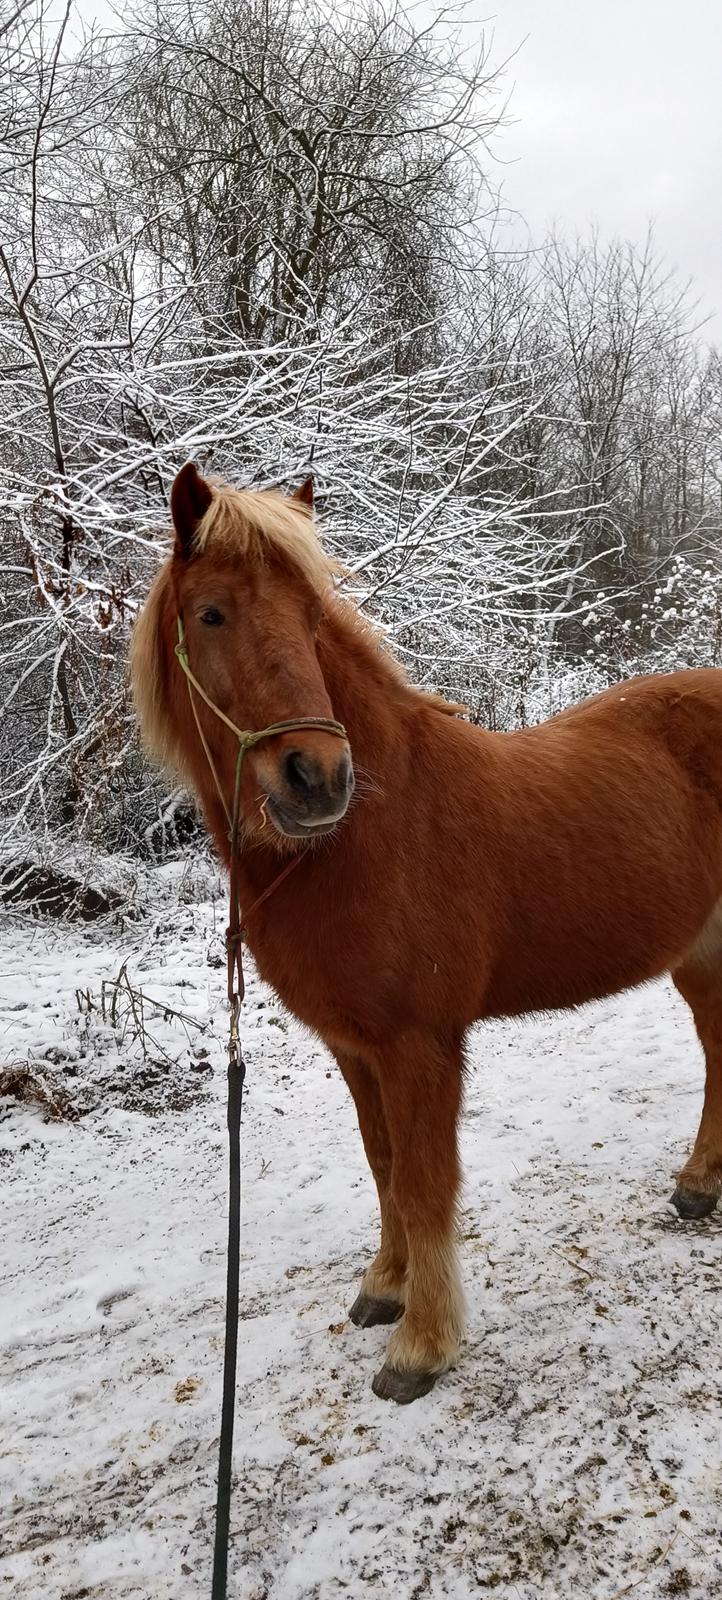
column 575, row 1451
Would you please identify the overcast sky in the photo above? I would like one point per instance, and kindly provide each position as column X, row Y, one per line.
column 617, row 119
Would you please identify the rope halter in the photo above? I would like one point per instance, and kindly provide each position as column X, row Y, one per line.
column 247, row 738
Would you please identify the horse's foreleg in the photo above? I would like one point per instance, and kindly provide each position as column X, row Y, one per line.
column 381, row 1298
column 699, row 1184
column 420, row 1082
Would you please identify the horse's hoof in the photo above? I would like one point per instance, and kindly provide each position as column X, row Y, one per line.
column 403, row 1387
column 368, row 1310
column 692, row 1203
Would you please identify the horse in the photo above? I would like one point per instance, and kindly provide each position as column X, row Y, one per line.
column 442, row 873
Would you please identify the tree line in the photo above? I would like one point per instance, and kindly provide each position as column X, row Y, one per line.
column 266, row 235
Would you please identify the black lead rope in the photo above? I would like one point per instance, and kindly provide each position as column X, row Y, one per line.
column 236, row 1075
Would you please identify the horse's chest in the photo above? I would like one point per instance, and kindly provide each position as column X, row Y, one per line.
column 318, row 983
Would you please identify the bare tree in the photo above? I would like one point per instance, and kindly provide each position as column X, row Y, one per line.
column 321, row 161
column 75, row 320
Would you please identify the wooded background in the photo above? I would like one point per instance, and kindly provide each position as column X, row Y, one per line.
column 265, row 235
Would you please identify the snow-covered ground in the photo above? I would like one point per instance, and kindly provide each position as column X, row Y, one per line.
column 575, row 1452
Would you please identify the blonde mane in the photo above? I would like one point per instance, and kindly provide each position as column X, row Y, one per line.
column 261, row 524
column 148, row 674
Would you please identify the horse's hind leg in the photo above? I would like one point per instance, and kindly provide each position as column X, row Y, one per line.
column 381, row 1298
column 699, row 981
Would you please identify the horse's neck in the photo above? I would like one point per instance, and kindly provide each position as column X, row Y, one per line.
column 367, row 690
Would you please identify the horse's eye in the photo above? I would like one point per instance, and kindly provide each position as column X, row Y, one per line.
column 212, row 617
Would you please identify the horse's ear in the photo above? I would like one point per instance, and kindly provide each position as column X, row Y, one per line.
column 304, row 495
column 190, row 498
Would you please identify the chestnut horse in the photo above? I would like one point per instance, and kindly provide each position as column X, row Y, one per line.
column 477, row 875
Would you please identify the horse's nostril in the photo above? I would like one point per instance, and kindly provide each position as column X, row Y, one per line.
column 300, row 772
column 314, row 788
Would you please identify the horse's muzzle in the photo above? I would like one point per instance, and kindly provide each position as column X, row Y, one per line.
column 310, row 799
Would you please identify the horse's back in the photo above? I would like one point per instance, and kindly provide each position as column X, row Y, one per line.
column 678, row 713
column 648, row 698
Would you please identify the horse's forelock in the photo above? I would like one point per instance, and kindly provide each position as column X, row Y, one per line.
column 259, row 525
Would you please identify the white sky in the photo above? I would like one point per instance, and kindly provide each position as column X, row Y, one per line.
column 618, row 120
column 616, row 109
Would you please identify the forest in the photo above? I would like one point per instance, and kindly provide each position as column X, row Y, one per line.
column 271, row 237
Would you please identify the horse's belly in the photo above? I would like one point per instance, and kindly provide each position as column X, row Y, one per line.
column 557, row 982
column 570, row 947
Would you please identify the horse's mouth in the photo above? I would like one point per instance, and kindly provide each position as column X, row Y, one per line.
column 292, row 827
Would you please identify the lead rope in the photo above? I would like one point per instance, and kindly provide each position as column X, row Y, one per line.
column 236, row 1078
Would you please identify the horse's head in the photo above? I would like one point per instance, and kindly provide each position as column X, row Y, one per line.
column 249, row 581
